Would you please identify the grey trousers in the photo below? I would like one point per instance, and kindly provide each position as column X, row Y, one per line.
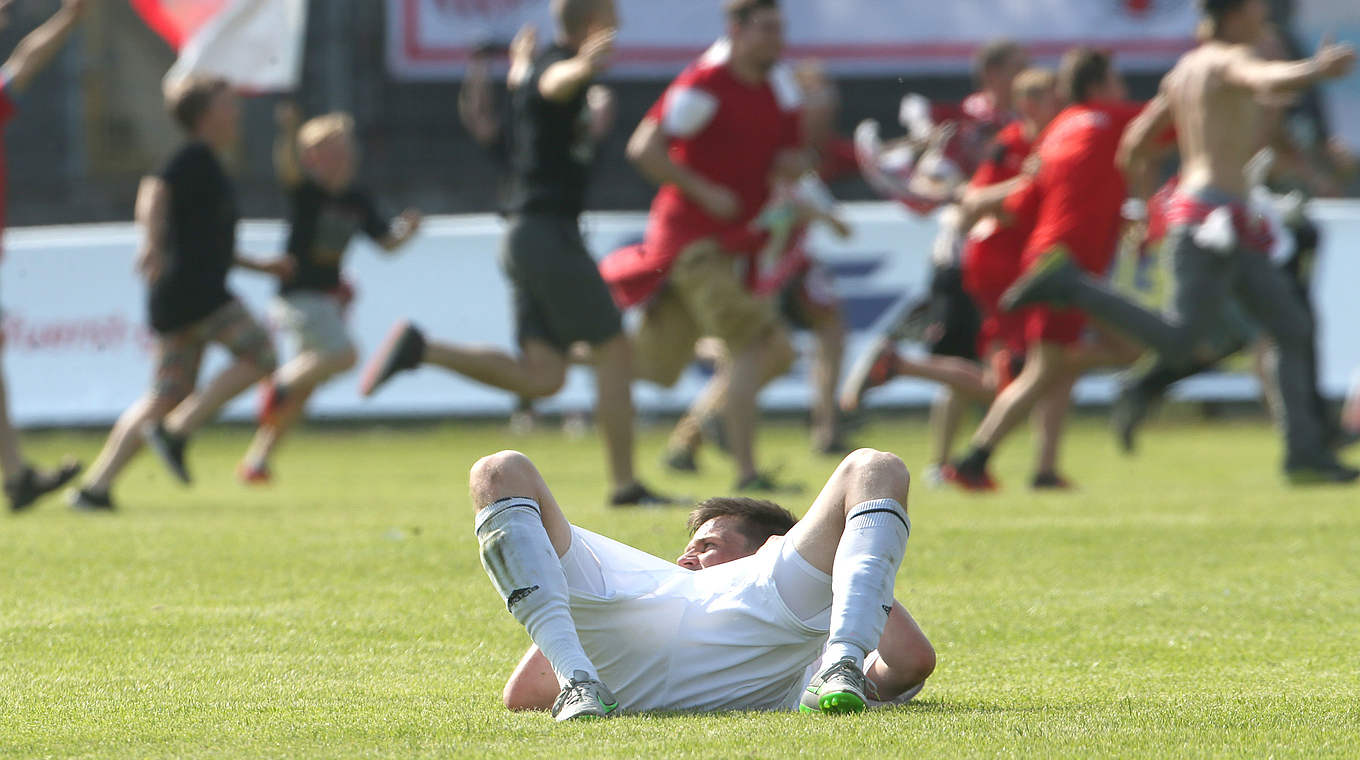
column 1204, row 282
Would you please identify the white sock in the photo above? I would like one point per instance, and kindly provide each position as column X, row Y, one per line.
column 862, row 579
column 525, row 569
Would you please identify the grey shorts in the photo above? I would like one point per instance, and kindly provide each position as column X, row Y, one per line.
column 559, row 296
column 311, row 321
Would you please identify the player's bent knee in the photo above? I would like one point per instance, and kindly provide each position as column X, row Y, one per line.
column 492, row 474
column 887, row 470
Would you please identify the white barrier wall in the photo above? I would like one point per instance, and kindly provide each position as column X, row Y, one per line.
column 77, row 352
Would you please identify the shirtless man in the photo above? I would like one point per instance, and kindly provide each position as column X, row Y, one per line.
column 1215, row 97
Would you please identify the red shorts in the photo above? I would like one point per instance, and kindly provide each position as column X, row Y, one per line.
column 1047, row 324
column 986, row 285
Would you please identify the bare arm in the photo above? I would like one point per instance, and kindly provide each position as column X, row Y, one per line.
column 153, row 216
column 404, row 228
column 564, row 80
column 37, row 49
column 905, row 656
column 649, row 152
column 1263, row 77
column 533, row 685
column 282, row 267
column 286, row 165
column 981, row 202
column 1138, row 147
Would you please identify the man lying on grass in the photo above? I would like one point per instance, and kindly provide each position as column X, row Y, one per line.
column 738, row 623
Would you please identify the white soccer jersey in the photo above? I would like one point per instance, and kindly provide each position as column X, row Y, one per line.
column 667, row 638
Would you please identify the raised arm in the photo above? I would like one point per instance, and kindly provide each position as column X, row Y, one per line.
column 649, row 151
column 286, row 165
column 153, row 217
column 36, row 50
column 1249, row 71
column 564, row 80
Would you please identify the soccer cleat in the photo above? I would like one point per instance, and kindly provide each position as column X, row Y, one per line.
column 875, row 367
column 639, row 495
column 403, row 349
column 765, row 482
column 254, row 474
column 584, row 698
column 170, row 449
column 681, row 460
column 1050, row 481
column 33, row 484
column 85, row 500
column 1045, row 282
column 1327, row 473
column 1130, row 410
column 968, row 478
column 841, row 688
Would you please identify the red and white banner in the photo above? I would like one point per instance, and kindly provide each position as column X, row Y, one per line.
column 254, row 44
column 433, row 39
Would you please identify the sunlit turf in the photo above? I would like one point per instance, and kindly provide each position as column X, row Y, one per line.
column 1181, row 604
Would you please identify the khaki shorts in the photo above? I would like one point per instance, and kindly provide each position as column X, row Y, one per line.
column 311, row 321
column 703, row 297
column 180, row 354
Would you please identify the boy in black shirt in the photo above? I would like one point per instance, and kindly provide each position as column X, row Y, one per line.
column 559, row 297
column 316, row 164
column 188, row 214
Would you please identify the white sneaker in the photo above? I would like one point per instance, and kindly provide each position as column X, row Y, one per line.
column 584, row 697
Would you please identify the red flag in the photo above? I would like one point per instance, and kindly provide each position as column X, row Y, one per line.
column 177, row 20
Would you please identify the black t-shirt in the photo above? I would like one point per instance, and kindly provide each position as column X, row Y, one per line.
column 550, row 146
column 201, row 244
column 322, row 226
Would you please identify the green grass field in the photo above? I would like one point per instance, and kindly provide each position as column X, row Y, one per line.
column 1182, row 604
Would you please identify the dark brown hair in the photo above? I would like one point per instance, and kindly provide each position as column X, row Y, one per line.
column 741, row 11
column 760, row 519
column 1082, row 70
column 189, row 100
column 993, row 54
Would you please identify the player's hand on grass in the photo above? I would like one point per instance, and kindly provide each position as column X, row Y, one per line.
column 598, row 49
column 718, row 201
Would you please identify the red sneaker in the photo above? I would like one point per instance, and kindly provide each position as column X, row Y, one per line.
column 975, row 482
column 254, row 474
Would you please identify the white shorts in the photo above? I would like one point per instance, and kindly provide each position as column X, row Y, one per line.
column 722, row 638
column 311, row 321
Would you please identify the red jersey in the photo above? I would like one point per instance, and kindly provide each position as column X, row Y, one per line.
column 6, row 113
column 1080, row 191
column 729, row 132
column 992, row 262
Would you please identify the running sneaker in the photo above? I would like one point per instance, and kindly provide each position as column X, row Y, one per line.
column 681, row 460
column 875, row 367
column 86, row 500
column 1328, row 473
column 841, row 688
column 968, row 478
column 639, row 495
column 1051, row 481
column 1045, row 282
column 33, row 484
column 403, row 349
column 584, row 698
column 170, row 449
column 254, row 473
column 765, row 482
